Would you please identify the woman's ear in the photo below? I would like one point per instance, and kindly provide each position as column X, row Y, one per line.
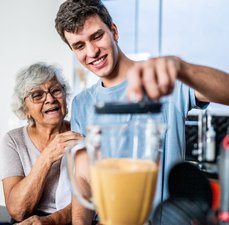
column 25, row 109
column 114, row 31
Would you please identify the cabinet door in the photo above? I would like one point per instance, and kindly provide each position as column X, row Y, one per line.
column 138, row 25
column 123, row 14
column 197, row 30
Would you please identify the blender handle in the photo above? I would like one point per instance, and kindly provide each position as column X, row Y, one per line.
column 71, row 152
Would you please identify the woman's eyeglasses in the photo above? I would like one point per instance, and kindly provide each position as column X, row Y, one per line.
column 39, row 96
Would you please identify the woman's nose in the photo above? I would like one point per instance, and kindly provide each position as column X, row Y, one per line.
column 49, row 98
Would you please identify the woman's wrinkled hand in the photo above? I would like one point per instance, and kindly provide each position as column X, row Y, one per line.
column 37, row 220
column 56, row 148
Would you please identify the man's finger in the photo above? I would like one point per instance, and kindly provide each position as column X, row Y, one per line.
column 135, row 91
column 150, row 81
column 163, row 76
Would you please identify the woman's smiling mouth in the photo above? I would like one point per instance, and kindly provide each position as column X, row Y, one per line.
column 52, row 110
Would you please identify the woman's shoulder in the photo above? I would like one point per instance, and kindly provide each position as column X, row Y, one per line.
column 14, row 138
column 16, row 131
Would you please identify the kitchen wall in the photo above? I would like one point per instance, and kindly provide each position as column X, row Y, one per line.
column 27, row 35
column 194, row 30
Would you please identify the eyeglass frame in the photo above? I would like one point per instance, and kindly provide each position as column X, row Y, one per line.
column 29, row 95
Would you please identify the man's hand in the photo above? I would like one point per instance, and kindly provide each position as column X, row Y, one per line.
column 155, row 77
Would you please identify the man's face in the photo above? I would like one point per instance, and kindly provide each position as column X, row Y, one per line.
column 95, row 46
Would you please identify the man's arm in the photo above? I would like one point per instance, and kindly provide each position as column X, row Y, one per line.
column 157, row 77
column 210, row 84
column 81, row 215
column 61, row 217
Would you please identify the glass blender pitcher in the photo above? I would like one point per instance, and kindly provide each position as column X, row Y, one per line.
column 123, row 147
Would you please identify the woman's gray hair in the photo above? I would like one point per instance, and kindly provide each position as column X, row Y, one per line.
column 30, row 77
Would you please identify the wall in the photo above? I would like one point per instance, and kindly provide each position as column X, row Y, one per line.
column 27, row 35
column 198, row 32
column 194, row 30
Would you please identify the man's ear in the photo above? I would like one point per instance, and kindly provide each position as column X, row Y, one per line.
column 114, row 30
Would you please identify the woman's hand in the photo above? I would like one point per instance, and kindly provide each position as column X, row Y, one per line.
column 56, row 148
column 63, row 216
column 37, row 220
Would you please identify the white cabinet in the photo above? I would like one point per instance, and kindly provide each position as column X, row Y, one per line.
column 195, row 30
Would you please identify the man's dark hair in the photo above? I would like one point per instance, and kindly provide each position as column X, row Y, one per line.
column 73, row 13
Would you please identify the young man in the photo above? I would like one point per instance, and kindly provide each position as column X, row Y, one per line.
column 88, row 29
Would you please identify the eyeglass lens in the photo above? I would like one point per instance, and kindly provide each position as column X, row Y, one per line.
column 40, row 95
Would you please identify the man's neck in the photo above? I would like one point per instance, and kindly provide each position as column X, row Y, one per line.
column 119, row 73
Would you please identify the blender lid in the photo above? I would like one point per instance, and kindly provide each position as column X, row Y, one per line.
column 128, row 108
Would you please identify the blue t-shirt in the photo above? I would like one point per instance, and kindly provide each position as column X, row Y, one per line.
column 174, row 113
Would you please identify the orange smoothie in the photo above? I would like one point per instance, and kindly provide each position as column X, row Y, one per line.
column 123, row 190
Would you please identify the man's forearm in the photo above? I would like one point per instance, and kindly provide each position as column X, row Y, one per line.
column 62, row 217
column 211, row 84
column 81, row 215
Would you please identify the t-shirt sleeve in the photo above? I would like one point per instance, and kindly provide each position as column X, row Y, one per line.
column 10, row 162
column 195, row 103
column 79, row 112
column 75, row 125
column 185, row 100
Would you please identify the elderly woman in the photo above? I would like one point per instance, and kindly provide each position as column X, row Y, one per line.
column 30, row 156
